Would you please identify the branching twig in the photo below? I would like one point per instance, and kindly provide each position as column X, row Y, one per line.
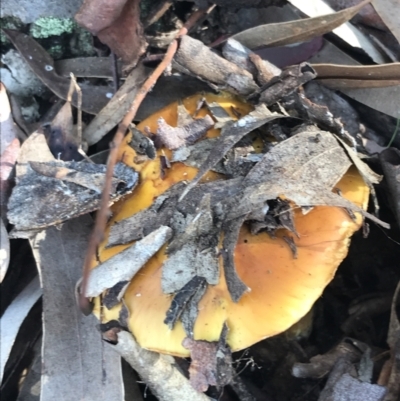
column 102, row 214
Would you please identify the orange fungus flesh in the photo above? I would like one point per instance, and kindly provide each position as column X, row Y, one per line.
column 282, row 288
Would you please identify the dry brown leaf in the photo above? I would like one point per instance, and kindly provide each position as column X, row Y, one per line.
column 286, row 33
column 347, row 32
column 76, row 363
column 389, row 11
column 177, row 137
column 289, row 170
column 367, row 16
column 364, row 72
column 118, row 25
column 35, row 148
column 342, row 83
column 385, row 100
column 94, row 98
column 113, row 113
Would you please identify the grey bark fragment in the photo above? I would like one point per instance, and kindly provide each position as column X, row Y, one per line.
column 289, row 80
column 186, row 300
column 176, row 137
column 187, row 263
column 236, row 286
column 195, row 58
column 76, row 363
column 50, row 193
column 124, row 265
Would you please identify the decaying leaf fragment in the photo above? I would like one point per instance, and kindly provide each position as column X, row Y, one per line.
column 211, row 363
column 118, row 25
column 50, row 193
column 286, row 83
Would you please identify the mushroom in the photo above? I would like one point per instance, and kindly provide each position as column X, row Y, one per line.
column 282, row 288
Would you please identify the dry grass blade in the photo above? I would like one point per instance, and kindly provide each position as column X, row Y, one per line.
column 286, row 33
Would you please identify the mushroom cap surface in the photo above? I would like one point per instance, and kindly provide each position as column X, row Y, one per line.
column 282, row 288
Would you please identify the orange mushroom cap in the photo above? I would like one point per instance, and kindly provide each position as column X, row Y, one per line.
column 282, row 288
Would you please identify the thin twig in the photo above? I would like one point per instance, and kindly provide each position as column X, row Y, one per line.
column 103, row 213
column 79, row 108
column 158, row 12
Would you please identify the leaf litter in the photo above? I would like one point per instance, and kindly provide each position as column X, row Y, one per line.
column 196, row 214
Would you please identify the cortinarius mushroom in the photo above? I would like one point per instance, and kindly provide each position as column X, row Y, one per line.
column 282, row 288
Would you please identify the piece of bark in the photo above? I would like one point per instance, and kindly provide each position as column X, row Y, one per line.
column 50, row 193
column 124, row 265
column 176, row 137
column 286, row 83
column 164, row 208
column 141, row 144
column 236, row 286
column 320, row 115
column 157, row 371
column 197, row 59
column 181, row 301
column 242, row 56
